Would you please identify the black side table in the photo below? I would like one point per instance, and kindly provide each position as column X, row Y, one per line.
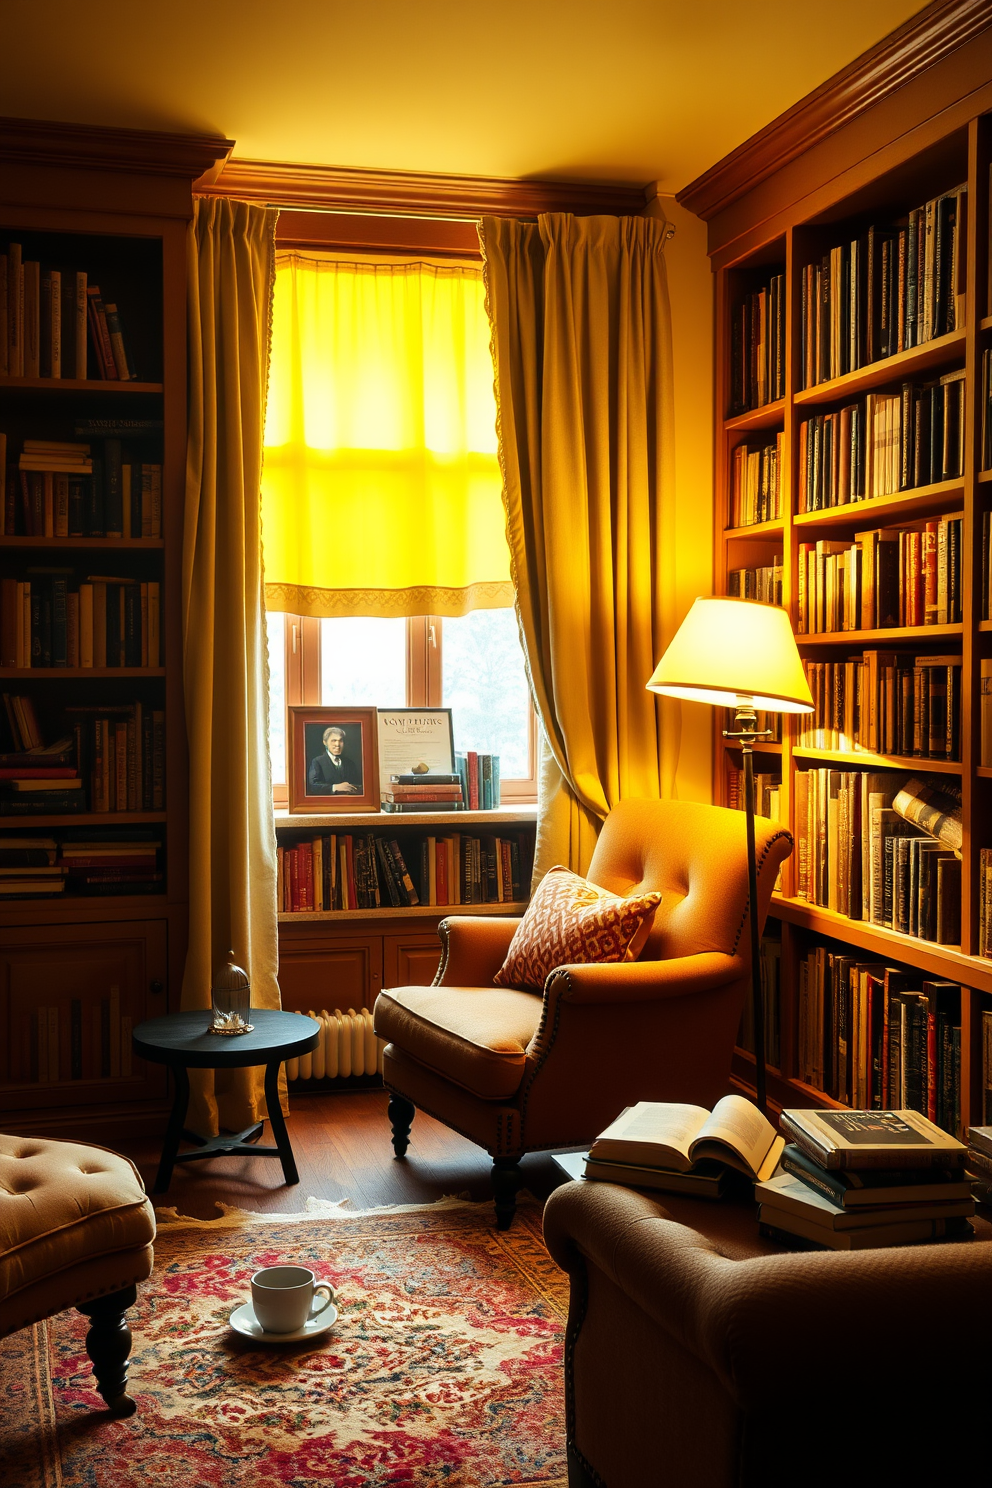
column 181, row 1041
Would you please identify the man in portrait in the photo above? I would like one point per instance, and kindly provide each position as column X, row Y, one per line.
column 332, row 772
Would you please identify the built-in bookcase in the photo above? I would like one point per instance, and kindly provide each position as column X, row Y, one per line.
column 933, row 374
column 90, row 624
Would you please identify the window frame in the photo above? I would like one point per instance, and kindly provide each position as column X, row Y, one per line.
column 424, row 689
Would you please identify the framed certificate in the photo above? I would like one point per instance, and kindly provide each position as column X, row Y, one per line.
column 415, row 741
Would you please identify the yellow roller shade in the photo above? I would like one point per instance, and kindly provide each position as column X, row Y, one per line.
column 381, row 488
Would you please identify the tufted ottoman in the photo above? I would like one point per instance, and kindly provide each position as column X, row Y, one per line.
column 76, row 1230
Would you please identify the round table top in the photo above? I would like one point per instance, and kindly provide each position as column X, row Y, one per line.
column 182, row 1039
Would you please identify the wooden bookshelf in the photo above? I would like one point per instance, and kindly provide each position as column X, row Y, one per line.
column 344, row 957
column 120, row 213
column 933, row 140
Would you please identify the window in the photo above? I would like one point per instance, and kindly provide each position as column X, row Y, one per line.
column 473, row 665
column 387, row 568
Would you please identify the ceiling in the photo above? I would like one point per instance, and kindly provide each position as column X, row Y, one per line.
column 628, row 91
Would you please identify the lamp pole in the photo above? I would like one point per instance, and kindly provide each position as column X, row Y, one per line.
column 746, row 732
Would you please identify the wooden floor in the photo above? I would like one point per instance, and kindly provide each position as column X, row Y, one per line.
column 342, row 1147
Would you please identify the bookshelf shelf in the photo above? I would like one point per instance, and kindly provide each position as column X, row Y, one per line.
column 757, row 529
column 846, row 826
column 879, row 761
column 891, row 633
column 411, row 912
column 76, row 385
column 765, row 417
column 869, row 513
column 343, row 821
column 87, row 544
column 100, row 673
column 899, row 368
column 24, row 824
column 936, row 960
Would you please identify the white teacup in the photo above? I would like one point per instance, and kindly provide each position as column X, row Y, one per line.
column 283, row 1297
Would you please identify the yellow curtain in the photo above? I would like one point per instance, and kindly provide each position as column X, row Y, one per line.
column 231, row 262
column 381, row 493
column 582, row 349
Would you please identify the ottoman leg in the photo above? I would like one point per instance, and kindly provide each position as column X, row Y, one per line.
column 108, row 1344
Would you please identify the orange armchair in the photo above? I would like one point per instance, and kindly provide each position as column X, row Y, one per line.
column 519, row 1071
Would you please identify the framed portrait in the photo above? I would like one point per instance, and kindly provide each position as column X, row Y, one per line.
column 415, row 741
column 332, row 759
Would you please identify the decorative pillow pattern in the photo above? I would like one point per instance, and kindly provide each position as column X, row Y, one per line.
column 570, row 920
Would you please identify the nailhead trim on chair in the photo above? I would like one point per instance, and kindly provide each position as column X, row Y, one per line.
column 442, row 931
column 86, row 1297
column 747, row 902
column 579, row 1301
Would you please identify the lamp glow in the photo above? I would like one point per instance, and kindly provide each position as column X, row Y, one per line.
column 727, row 649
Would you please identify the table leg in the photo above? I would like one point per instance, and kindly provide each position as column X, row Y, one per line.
column 277, row 1122
column 174, row 1131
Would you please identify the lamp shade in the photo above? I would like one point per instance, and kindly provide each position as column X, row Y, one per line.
column 726, row 649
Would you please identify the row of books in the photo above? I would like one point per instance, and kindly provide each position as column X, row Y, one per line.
column 368, row 870
column 105, row 863
column 763, row 583
column 758, row 352
column 74, row 1039
column 53, row 620
column 986, row 411
column 985, row 918
column 885, row 702
column 861, row 1180
column 883, row 443
column 890, row 577
column 890, row 289
column 986, row 573
column 50, row 318
column 877, row 1036
column 879, row 848
column 63, row 489
column 113, row 760
column 767, row 787
column 755, row 483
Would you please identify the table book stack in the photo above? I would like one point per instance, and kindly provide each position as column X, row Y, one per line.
column 685, row 1149
column 860, row 1180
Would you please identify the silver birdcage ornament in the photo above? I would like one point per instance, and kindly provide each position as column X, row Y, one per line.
column 230, row 999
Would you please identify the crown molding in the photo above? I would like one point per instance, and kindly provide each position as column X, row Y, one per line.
column 82, row 146
column 328, row 188
column 919, row 44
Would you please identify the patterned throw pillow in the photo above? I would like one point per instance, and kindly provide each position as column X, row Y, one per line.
column 570, row 920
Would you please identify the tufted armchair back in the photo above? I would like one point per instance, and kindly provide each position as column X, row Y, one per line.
column 696, row 856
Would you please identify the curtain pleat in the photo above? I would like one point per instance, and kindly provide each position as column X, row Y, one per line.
column 231, row 265
column 581, row 341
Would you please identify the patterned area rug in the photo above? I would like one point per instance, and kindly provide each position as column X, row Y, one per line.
column 444, row 1368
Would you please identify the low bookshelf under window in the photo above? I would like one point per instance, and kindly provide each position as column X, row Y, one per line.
column 383, row 884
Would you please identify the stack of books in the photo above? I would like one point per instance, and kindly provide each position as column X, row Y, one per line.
column 979, row 1162
column 430, row 792
column 755, row 488
column 112, row 862
column 479, row 776
column 860, row 1180
column 685, row 1149
column 28, row 868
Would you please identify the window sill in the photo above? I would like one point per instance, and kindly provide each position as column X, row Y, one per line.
column 338, row 821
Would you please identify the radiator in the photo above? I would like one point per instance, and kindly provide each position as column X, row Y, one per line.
column 347, row 1047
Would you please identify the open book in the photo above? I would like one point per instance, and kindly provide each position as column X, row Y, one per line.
column 654, row 1134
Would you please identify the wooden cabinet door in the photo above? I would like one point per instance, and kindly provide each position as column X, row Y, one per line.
column 324, row 971
column 70, row 996
column 410, row 960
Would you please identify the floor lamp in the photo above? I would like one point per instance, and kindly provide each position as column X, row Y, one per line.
column 737, row 653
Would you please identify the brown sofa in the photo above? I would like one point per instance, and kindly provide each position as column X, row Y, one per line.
column 76, row 1230
column 519, row 1071
column 691, row 1365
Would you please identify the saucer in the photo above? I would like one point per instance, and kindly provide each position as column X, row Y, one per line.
column 244, row 1321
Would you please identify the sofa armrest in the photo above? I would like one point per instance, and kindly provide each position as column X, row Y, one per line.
column 643, row 981
column 475, row 948
column 744, row 1317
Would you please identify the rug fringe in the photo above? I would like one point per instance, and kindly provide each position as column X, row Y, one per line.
column 231, row 1216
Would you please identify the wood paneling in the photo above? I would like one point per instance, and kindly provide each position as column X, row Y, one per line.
column 326, row 971
column 368, row 233
column 410, row 960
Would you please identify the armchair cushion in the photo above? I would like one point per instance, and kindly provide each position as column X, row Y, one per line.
column 571, row 921
column 474, row 1036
